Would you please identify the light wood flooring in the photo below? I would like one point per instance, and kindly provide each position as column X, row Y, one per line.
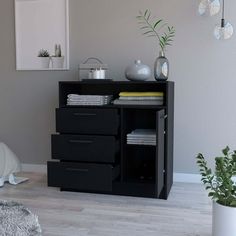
column 187, row 212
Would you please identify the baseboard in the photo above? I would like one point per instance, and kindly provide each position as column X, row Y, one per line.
column 178, row 177
column 34, row 168
column 187, row 178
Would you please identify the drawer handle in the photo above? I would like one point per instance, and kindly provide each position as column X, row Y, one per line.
column 84, row 114
column 81, row 141
column 77, row 170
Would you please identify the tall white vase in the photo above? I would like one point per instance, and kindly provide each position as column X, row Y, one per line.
column 223, row 220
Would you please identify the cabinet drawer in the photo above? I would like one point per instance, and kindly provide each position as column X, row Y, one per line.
column 87, row 121
column 81, row 176
column 84, row 148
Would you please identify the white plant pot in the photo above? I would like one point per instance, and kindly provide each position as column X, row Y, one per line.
column 223, row 220
column 44, row 62
column 57, row 62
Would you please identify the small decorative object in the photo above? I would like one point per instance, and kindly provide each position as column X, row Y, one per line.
column 209, row 7
column 57, row 59
column 224, row 30
column 96, row 70
column 9, row 165
column 138, row 71
column 16, row 219
column 222, row 190
column 44, row 57
column 161, row 67
column 165, row 38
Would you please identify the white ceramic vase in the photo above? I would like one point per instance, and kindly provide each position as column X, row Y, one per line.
column 223, row 220
column 137, row 71
column 57, row 62
column 44, row 62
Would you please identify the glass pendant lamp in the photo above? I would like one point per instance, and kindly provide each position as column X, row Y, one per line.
column 224, row 30
column 209, row 7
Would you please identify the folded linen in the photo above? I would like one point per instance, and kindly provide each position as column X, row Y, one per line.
column 144, row 94
column 137, row 102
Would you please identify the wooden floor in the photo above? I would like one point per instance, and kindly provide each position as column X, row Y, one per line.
column 187, row 212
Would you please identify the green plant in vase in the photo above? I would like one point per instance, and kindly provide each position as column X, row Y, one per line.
column 164, row 34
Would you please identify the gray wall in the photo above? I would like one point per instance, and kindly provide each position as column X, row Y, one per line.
column 203, row 69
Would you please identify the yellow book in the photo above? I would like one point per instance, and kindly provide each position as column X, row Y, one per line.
column 141, row 94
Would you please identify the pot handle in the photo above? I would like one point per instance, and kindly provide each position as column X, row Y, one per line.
column 92, row 58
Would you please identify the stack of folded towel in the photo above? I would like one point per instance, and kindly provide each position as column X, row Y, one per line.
column 139, row 98
column 142, row 137
column 88, row 100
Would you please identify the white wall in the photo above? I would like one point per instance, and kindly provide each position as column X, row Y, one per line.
column 203, row 69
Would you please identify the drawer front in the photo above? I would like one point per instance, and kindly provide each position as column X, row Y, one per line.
column 87, row 121
column 84, row 148
column 81, row 176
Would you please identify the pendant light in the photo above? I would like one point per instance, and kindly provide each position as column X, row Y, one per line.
column 209, row 7
column 224, row 30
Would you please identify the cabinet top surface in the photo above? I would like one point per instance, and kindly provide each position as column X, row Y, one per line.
column 92, row 81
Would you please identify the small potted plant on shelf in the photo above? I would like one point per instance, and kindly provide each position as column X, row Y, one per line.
column 44, row 57
column 222, row 190
column 164, row 35
column 57, row 59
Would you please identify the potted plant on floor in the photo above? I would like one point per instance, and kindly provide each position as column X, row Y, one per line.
column 44, row 58
column 57, row 59
column 222, row 190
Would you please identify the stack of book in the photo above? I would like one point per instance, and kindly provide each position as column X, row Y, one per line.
column 139, row 98
column 88, row 100
column 142, row 137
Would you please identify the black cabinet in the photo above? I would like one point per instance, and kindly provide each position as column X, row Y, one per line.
column 91, row 144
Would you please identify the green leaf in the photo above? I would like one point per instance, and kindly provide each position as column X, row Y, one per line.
column 225, row 150
column 157, row 23
column 211, row 194
column 145, row 13
column 148, row 32
column 144, row 27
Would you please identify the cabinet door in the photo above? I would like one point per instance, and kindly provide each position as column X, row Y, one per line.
column 160, row 126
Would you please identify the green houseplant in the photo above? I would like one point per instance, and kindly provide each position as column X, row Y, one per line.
column 221, row 187
column 164, row 35
column 222, row 190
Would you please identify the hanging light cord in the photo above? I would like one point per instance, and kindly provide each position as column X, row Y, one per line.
column 223, row 15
